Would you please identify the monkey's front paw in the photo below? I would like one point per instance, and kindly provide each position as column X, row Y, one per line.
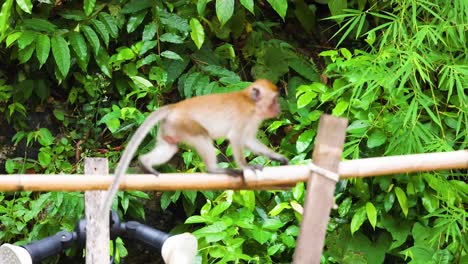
column 149, row 170
column 282, row 160
column 254, row 167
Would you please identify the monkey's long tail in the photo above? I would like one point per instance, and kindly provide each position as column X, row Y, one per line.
column 150, row 121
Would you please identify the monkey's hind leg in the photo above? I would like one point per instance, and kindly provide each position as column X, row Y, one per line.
column 161, row 154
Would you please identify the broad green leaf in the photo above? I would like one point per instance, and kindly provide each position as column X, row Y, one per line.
column 110, row 23
column 371, row 214
column 197, row 32
column 274, row 249
column 304, row 140
column 38, row 24
column 61, row 54
column 336, row 7
column 159, row 75
column 340, row 108
column 137, row 5
column 248, row 198
column 5, row 13
column 26, row 39
column 44, row 159
column 171, row 55
column 305, row 98
column 358, row 219
column 147, row 45
column 171, row 38
column 25, row 5
column 195, row 219
column 111, row 120
column 402, row 200
column 345, row 206
column 280, row 6
column 376, row 139
column 10, row 166
column 224, row 10
column 201, row 6
column 88, row 6
column 150, row 31
column 45, row 138
column 249, row 5
column 102, row 60
column 279, row 208
column 59, row 114
column 78, row 45
column 42, row 48
column 92, row 38
column 135, row 20
column 141, row 82
column 272, row 224
column 430, row 202
column 25, row 54
column 101, row 29
column 12, row 38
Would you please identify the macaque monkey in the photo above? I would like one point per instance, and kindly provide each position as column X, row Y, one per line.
column 197, row 121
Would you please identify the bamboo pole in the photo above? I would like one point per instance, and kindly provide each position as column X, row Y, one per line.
column 269, row 178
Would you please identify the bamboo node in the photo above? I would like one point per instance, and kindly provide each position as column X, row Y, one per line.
column 324, row 172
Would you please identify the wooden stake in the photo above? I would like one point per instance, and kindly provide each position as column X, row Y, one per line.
column 97, row 229
column 320, row 190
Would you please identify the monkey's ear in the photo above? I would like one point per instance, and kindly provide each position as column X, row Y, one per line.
column 255, row 94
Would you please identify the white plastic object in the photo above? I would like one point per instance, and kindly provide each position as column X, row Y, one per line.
column 180, row 249
column 11, row 254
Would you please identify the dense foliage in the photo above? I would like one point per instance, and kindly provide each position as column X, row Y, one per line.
column 396, row 69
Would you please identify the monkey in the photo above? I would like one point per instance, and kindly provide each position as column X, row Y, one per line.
column 196, row 121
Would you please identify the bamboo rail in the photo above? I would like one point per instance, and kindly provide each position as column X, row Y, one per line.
column 269, row 178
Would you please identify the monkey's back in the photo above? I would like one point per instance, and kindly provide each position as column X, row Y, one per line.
column 216, row 113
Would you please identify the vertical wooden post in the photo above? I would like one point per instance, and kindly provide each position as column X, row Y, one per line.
column 97, row 229
column 320, row 190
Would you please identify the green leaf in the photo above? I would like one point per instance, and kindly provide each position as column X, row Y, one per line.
column 59, row 114
column 201, row 6
column 147, row 45
column 12, row 38
column 402, row 200
column 280, row 6
column 224, row 10
column 45, row 138
column 171, row 38
column 25, row 5
column 42, row 48
column 273, row 224
column 110, row 23
column 430, row 202
column 340, row 108
column 345, row 206
column 102, row 60
column 358, row 219
column 5, row 13
column 150, row 31
column 25, row 54
column 336, row 7
column 10, row 166
column 78, row 45
column 171, row 55
column 305, row 98
column 135, row 20
column 88, row 6
column 371, row 214
column 376, row 138
column 61, row 54
column 137, row 5
column 26, row 39
column 39, row 25
column 279, row 208
column 101, row 29
column 44, row 159
column 249, row 5
column 304, row 140
column 92, row 38
column 195, row 219
column 159, row 75
column 197, row 32
column 141, row 82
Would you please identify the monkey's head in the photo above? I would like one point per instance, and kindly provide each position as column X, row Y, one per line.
column 265, row 95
